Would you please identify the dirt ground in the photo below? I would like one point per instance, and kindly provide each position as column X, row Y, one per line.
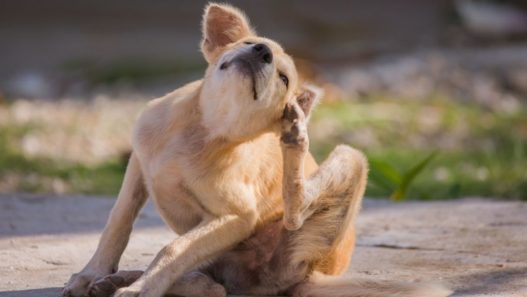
column 477, row 247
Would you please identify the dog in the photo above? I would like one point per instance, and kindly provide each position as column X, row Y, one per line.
column 226, row 161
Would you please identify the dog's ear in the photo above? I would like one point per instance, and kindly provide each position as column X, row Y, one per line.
column 307, row 97
column 222, row 24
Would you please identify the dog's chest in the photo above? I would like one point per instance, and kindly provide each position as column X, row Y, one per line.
column 183, row 192
column 163, row 167
column 189, row 177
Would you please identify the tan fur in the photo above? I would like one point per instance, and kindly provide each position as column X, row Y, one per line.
column 329, row 286
column 224, row 159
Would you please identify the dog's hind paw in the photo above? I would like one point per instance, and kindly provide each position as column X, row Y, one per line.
column 294, row 128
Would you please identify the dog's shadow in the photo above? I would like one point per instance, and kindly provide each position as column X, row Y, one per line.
column 42, row 292
column 54, row 292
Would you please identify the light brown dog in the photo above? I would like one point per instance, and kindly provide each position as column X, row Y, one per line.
column 226, row 161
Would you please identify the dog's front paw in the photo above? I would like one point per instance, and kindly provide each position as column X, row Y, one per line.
column 79, row 283
column 128, row 292
column 106, row 286
column 294, row 128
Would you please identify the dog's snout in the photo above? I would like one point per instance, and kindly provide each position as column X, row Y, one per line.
column 263, row 52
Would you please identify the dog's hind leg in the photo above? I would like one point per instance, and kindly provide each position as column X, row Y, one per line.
column 323, row 237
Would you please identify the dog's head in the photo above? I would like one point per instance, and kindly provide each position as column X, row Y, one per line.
column 249, row 79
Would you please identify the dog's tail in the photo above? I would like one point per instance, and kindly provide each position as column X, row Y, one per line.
column 320, row 285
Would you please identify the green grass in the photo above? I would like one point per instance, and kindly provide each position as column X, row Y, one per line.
column 34, row 174
column 479, row 152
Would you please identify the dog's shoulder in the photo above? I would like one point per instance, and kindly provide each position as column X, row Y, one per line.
column 165, row 116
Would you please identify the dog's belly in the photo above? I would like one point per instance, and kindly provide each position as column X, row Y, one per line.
column 260, row 265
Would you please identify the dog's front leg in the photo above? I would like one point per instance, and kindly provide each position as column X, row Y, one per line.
column 115, row 235
column 201, row 244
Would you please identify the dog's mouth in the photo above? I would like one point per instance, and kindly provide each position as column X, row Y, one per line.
column 246, row 68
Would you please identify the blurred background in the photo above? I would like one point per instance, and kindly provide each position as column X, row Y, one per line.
column 433, row 91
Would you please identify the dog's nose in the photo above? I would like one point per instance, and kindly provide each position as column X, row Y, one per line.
column 263, row 53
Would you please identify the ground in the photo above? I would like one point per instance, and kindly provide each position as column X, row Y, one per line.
column 476, row 247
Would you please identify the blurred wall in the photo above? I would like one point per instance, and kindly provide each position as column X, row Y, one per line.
column 56, row 41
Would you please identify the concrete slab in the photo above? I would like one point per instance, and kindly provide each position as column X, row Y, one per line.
column 477, row 247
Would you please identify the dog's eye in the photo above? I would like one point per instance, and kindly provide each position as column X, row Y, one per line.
column 284, row 79
column 248, row 42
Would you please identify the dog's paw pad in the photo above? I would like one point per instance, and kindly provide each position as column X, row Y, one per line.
column 294, row 127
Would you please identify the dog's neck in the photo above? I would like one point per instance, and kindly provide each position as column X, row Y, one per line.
column 210, row 137
column 203, row 151
column 230, row 124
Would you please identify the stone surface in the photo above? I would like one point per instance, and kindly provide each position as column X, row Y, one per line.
column 477, row 247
